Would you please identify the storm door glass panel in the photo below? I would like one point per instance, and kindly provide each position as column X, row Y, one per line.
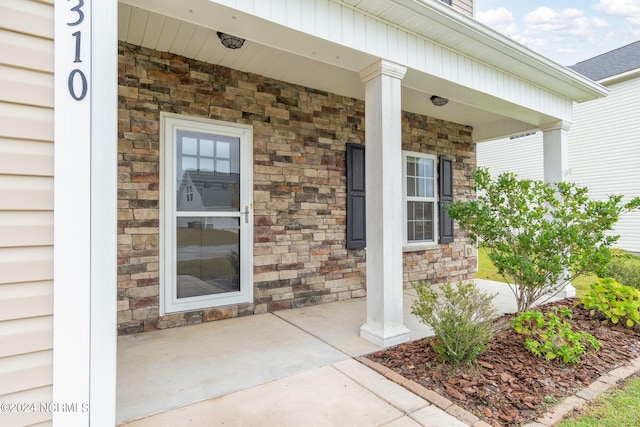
column 208, row 214
column 208, row 255
column 207, row 172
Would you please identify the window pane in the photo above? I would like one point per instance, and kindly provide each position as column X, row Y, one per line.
column 429, row 187
column 189, row 163
column 428, row 211
column 411, row 166
column 206, row 165
column 422, row 187
column 420, row 221
column 223, row 166
column 208, row 260
column 212, row 173
column 411, row 235
column 427, row 167
column 223, row 149
column 411, row 186
column 419, row 231
column 206, row 147
column 189, row 146
column 419, row 211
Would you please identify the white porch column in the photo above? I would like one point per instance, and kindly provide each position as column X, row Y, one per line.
column 555, row 140
column 383, row 121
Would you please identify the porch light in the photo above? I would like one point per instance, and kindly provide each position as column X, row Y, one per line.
column 229, row 41
column 439, row 101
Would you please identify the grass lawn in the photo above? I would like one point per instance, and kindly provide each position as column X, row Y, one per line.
column 618, row 408
column 486, row 270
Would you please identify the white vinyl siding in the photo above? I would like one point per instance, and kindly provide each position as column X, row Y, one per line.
column 26, row 206
column 464, row 6
column 604, row 153
column 522, row 155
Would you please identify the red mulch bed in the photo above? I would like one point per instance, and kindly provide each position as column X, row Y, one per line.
column 509, row 386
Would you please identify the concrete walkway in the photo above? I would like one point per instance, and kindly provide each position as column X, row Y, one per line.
column 288, row 368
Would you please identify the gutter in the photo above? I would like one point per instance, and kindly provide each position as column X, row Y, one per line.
column 617, row 78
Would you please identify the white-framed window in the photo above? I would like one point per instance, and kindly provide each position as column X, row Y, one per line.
column 420, row 213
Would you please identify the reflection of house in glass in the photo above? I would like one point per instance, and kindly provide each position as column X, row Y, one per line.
column 201, row 191
column 207, row 246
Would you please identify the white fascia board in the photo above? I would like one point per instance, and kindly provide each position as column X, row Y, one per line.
column 618, row 78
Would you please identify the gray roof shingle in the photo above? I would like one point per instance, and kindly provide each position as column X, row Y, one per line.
column 612, row 63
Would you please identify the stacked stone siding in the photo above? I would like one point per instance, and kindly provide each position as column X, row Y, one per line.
column 443, row 262
column 300, row 135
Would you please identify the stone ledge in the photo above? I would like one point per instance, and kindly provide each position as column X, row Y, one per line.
column 548, row 419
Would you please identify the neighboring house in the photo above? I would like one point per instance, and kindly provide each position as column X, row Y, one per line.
column 604, row 145
column 271, row 135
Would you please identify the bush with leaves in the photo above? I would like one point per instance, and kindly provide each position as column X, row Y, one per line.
column 625, row 268
column 615, row 302
column 552, row 337
column 541, row 235
column 461, row 318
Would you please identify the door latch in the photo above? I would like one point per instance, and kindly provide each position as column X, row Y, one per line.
column 246, row 214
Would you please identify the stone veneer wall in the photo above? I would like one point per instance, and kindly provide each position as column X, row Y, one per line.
column 299, row 185
column 442, row 262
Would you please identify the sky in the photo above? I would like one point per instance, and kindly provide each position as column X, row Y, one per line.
column 566, row 31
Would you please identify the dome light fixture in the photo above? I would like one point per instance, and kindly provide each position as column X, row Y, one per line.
column 439, row 101
column 229, row 41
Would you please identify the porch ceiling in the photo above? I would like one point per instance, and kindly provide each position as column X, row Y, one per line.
column 189, row 27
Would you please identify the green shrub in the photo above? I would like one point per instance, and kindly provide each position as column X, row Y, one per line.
column 625, row 269
column 551, row 337
column 541, row 235
column 461, row 318
column 614, row 301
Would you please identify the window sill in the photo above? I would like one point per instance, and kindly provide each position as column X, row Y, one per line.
column 420, row 247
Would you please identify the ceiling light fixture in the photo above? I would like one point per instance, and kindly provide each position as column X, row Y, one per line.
column 438, row 101
column 229, row 41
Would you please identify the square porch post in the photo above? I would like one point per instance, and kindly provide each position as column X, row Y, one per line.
column 555, row 140
column 383, row 136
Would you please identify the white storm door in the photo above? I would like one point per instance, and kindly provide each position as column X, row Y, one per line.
column 207, row 222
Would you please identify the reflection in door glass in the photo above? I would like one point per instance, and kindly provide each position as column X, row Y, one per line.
column 207, row 172
column 208, row 255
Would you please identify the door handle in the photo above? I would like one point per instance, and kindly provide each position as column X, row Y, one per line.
column 246, row 214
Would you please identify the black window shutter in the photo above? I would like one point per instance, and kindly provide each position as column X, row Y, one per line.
column 356, row 208
column 445, row 178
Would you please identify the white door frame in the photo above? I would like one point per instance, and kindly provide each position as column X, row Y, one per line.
column 170, row 124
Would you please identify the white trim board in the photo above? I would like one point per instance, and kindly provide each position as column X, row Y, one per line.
column 85, row 211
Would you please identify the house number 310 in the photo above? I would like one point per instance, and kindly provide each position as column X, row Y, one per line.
column 79, row 91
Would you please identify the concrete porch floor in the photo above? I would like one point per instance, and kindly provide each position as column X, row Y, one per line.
column 287, row 368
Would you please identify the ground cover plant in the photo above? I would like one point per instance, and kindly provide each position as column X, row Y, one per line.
column 541, row 235
column 550, row 335
column 508, row 385
column 613, row 302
